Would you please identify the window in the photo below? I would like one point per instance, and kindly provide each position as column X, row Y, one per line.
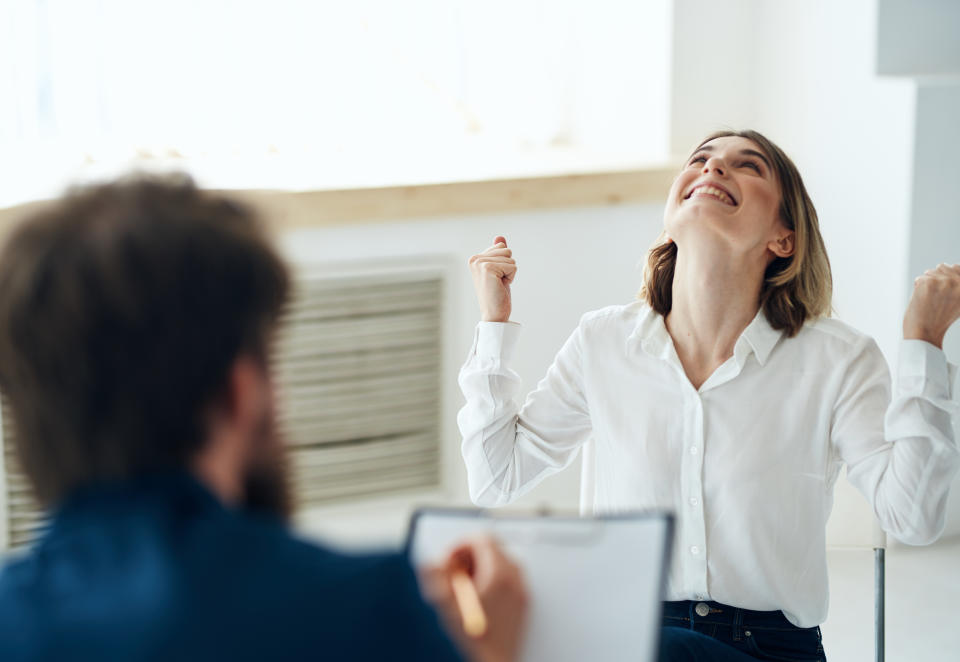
column 294, row 94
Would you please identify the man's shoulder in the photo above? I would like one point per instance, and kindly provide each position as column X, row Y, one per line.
column 206, row 561
column 250, row 581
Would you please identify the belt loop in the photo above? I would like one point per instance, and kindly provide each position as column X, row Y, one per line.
column 737, row 624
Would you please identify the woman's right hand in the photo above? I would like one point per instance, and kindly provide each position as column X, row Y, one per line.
column 493, row 271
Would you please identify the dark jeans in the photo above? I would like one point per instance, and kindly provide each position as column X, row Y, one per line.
column 730, row 634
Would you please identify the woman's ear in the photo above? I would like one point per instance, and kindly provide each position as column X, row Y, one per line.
column 783, row 244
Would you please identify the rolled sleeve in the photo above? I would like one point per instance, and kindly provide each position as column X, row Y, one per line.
column 906, row 472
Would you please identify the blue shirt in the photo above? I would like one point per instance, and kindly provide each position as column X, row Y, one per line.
column 158, row 569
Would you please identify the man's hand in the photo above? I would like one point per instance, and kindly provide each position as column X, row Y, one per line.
column 502, row 594
column 493, row 271
column 934, row 306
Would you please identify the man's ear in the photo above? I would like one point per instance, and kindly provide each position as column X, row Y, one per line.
column 783, row 245
column 232, row 418
column 241, row 403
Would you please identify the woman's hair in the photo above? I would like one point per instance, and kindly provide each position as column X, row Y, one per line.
column 795, row 288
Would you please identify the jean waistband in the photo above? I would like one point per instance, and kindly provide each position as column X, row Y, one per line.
column 708, row 612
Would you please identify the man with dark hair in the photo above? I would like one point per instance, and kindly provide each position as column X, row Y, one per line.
column 136, row 320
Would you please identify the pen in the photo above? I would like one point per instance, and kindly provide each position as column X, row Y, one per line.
column 471, row 611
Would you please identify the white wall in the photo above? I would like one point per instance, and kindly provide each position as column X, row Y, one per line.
column 713, row 72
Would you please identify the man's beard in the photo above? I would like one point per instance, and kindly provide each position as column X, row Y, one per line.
column 266, row 482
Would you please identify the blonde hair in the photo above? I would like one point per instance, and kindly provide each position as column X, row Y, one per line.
column 795, row 288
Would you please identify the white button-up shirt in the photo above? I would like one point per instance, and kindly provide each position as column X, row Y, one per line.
column 747, row 462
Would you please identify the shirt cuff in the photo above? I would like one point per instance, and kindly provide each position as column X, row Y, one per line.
column 496, row 341
column 924, row 365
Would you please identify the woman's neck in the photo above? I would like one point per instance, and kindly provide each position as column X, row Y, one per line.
column 715, row 297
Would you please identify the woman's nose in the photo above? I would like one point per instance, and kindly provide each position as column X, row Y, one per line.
column 714, row 164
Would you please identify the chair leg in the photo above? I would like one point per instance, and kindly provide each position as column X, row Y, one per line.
column 879, row 589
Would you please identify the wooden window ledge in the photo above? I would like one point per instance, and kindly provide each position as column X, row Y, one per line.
column 323, row 208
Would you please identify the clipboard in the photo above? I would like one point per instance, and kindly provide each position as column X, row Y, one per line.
column 595, row 585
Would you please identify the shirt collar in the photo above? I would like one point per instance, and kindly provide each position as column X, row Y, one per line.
column 651, row 333
column 759, row 338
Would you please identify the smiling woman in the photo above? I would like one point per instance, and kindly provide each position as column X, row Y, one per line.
column 797, row 283
column 726, row 395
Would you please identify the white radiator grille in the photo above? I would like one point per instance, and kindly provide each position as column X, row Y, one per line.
column 359, row 366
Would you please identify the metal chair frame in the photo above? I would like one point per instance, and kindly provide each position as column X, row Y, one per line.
column 879, row 584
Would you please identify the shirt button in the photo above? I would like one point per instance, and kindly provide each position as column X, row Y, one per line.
column 694, row 501
column 702, row 609
column 693, row 450
column 694, row 550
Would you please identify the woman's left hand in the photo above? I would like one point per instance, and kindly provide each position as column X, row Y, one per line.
column 934, row 305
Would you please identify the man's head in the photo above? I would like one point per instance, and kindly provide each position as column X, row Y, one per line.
column 135, row 326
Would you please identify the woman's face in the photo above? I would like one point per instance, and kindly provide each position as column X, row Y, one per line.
column 728, row 192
